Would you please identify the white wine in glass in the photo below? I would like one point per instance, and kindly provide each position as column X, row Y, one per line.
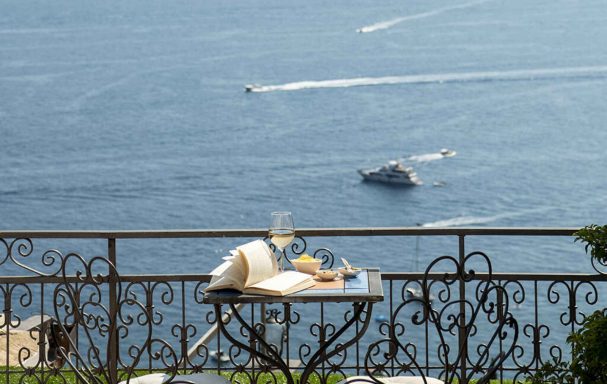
column 282, row 237
column 282, row 233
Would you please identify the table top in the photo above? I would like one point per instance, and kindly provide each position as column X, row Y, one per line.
column 366, row 287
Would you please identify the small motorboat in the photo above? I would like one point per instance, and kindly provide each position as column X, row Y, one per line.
column 251, row 87
column 413, row 293
column 394, row 172
column 447, row 152
column 219, row 355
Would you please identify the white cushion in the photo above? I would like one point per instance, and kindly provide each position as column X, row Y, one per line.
column 196, row 378
column 393, row 380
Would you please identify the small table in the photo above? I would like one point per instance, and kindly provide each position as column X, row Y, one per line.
column 362, row 292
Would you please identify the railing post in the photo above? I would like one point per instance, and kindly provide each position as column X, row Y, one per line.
column 501, row 312
column 112, row 352
column 463, row 337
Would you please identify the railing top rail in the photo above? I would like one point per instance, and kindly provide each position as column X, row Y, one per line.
column 309, row 232
column 385, row 276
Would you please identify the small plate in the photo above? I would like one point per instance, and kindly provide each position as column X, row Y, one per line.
column 327, row 274
column 350, row 272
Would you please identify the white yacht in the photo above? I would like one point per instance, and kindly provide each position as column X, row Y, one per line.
column 394, row 172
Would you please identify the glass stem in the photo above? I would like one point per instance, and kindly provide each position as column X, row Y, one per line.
column 282, row 260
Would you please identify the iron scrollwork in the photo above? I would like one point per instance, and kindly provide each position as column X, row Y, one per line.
column 329, row 346
column 299, row 247
column 573, row 316
column 567, row 298
column 22, row 248
column 94, row 315
column 454, row 318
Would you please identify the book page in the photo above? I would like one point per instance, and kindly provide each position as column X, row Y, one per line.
column 259, row 262
column 282, row 284
column 228, row 275
column 221, row 269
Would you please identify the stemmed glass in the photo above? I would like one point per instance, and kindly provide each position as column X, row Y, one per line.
column 281, row 233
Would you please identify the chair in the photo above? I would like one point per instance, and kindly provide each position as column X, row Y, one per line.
column 87, row 329
column 465, row 309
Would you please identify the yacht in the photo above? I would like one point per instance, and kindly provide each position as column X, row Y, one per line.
column 394, row 172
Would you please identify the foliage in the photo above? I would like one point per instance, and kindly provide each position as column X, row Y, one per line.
column 595, row 237
column 553, row 373
column 589, row 358
column 589, row 355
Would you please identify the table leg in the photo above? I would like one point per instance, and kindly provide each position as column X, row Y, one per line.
column 271, row 356
column 322, row 354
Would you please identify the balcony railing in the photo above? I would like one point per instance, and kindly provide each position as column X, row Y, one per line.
column 547, row 305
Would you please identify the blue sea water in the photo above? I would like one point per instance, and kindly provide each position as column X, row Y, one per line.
column 131, row 115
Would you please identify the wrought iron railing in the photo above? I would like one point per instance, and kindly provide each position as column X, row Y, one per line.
column 547, row 306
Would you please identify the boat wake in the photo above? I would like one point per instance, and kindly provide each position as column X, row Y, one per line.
column 463, row 220
column 522, row 74
column 468, row 220
column 431, row 156
column 390, row 23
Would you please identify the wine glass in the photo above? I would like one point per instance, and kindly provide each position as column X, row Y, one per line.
column 281, row 233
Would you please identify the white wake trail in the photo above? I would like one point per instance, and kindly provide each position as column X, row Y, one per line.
column 462, row 220
column 524, row 74
column 390, row 23
column 431, row 156
column 467, row 220
column 425, row 158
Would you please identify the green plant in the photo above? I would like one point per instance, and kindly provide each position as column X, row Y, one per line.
column 595, row 237
column 589, row 344
column 589, row 356
column 552, row 372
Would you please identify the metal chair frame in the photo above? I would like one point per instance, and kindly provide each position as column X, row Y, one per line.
column 456, row 317
column 98, row 324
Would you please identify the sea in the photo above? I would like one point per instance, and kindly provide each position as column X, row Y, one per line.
column 133, row 115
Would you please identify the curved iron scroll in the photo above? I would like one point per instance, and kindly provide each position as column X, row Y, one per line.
column 92, row 314
column 324, row 353
column 266, row 353
column 272, row 356
column 454, row 316
column 22, row 248
column 299, row 246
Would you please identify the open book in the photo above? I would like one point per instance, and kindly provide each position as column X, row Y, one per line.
column 253, row 269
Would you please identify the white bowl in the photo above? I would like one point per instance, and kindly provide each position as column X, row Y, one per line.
column 349, row 272
column 326, row 274
column 309, row 267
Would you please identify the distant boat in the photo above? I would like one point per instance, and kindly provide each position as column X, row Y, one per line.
column 413, row 293
column 447, row 152
column 219, row 355
column 394, row 172
column 427, row 157
column 251, row 87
